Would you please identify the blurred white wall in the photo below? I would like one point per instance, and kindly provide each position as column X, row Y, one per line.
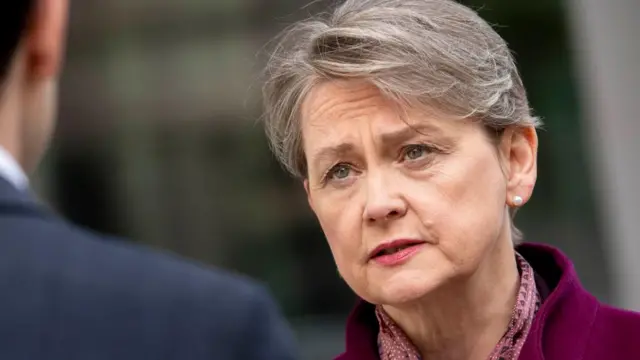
column 607, row 49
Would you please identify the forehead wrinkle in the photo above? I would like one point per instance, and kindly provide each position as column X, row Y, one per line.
column 338, row 101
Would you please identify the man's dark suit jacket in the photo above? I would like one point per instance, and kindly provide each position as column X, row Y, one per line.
column 68, row 294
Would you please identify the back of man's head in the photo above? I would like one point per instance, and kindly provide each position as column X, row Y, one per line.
column 32, row 36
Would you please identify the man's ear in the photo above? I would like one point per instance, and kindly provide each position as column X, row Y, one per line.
column 520, row 150
column 45, row 38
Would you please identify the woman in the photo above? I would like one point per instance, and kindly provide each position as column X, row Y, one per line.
column 410, row 127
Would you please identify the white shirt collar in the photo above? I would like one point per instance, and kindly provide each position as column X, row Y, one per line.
column 11, row 171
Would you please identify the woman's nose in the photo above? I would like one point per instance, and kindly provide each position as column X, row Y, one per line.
column 383, row 202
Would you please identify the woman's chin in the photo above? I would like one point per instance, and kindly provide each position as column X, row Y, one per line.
column 404, row 288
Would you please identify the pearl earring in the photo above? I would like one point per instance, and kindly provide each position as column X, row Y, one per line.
column 517, row 200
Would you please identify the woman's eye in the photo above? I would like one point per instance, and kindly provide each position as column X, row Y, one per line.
column 339, row 172
column 414, row 152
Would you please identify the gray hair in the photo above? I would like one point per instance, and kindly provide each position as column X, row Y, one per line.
column 434, row 53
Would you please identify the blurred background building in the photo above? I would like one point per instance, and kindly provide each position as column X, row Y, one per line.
column 159, row 142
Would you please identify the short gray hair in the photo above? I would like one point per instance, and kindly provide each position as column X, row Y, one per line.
column 435, row 53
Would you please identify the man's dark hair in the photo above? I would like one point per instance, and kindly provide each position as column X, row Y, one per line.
column 13, row 21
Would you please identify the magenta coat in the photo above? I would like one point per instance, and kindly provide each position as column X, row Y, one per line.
column 570, row 325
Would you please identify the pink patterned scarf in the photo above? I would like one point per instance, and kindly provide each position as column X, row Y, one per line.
column 395, row 345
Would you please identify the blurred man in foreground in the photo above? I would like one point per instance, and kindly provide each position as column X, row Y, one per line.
column 69, row 294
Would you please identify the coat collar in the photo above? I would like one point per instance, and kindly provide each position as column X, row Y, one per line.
column 564, row 318
column 14, row 200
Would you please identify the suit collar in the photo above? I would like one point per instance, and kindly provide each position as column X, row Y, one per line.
column 13, row 199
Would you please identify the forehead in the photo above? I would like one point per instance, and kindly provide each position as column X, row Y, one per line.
column 330, row 102
column 339, row 109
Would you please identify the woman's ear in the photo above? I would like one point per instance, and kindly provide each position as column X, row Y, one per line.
column 520, row 151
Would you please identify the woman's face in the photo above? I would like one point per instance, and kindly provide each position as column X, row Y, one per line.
column 430, row 193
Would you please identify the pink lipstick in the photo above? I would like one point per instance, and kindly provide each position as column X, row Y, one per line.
column 396, row 252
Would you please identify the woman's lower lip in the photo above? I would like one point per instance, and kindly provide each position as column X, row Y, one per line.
column 398, row 257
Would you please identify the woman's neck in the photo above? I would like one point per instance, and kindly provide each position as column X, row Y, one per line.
column 468, row 318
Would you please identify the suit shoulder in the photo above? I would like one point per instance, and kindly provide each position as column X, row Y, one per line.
column 52, row 272
column 59, row 251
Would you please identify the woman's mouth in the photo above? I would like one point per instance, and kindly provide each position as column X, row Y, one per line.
column 396, row 252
